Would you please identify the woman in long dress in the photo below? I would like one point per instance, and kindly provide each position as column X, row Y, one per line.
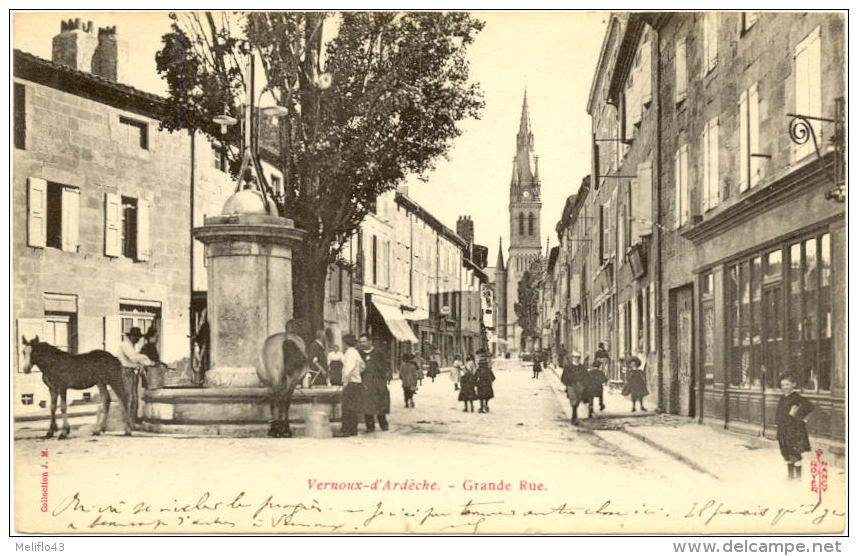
column 485, row 377
column 468, row 390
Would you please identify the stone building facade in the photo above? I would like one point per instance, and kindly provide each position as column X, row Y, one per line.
column 625, row 146
column 101, row 234
column 738, row 273
column 764, row 234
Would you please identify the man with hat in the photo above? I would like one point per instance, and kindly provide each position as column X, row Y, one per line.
column 575, row 378
column 132, row 363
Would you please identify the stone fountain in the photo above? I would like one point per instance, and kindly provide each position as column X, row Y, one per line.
column 249, row 266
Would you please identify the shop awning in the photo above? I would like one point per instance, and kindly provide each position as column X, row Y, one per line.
column 416, row 315
column 395, row 321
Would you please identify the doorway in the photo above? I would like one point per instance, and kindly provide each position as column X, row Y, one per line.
column 682, row 381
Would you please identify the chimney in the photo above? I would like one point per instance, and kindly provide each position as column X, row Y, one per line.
column 110, row 57
column 465, row 230
column 75, row 44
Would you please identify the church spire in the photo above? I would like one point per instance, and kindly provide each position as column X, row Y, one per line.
column 525, row 135
column 525, row 171
column 499, row 263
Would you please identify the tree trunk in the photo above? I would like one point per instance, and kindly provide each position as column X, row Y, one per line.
column 309, row 277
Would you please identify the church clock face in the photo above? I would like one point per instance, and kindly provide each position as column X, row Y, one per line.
column 526, row 194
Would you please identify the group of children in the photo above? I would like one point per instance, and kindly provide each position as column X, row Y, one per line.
column 584, row 384
column 473, row 379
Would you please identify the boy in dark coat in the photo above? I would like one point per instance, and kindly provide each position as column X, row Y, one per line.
column 408, row 376
column 635, row 383
column 792, row 431
column 485, row 377
column 468, row 384
column 597, row 384
column 537, row 367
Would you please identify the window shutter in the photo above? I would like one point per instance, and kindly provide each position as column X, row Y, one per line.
column 743, row 141
column 112, row 220
column 37, row 222
column 332, row 283
column 71, row 218
column 683, row 193
column 642, row 203
column 144, row 249
column 711, row 40
column 754, row 134
column 28, row 328
column 808, row 82
column 814, row 81
column 681, row 71
column 714, row 182
column 646, row 73
column 704, row 178
column 112, row 333
column 634, row 325
column 636, row 101
column 601, row 233
column 652, row 317
column 609, row 220
column 677, row 189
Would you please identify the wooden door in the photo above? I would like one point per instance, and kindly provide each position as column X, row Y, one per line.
column 682, row 349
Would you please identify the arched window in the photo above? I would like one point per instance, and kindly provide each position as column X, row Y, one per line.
column 530, row 224
column 521, row 223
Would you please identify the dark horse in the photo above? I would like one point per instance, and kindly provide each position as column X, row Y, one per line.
column 283, row 365
column 61, row 371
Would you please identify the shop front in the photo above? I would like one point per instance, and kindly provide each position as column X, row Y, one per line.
column 390, row 330
column 770, row 293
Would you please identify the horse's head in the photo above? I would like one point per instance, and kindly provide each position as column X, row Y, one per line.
column 27, row 360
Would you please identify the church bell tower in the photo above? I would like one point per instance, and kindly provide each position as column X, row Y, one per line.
column 525, row 208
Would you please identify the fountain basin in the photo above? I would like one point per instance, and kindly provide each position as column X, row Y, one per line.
column 232, row 412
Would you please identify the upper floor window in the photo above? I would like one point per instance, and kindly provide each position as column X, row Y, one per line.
column 126, row 227
column 52, row 215
column 219, row 158
column 530, row 224
column 710, row 41
column 138, row 131
column 276, row 186
column 20, row 116
column 521, row 223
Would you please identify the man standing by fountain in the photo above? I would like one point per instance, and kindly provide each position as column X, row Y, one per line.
column 376, row 394
column 133, row 363
column 318, row 356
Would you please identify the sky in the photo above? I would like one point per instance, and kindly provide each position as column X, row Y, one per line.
column 552, row 54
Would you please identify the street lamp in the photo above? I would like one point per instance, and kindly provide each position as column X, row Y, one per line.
column 250, row 174
column 224, row 120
